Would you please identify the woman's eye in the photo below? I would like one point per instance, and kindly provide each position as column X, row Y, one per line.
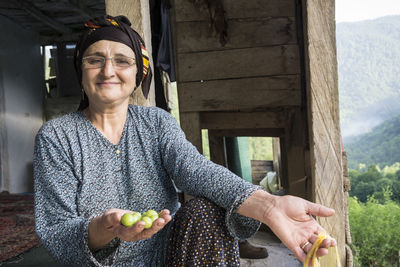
column 122, row 61
column 94, row 61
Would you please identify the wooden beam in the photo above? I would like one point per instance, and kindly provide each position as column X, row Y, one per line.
column 217, row 148
column 239, row 63
column 190, row 123
column 197, row 36
column 235, row 95
column 36, row 13
column 240, row 94
column 266, row 132
column 187, row 11
column 241, row 120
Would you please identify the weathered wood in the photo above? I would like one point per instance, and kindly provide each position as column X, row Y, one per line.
column 266, row 165
column 323, row 112
column 256, row 163
column 270, row 83
column 276, row 154
column 241, row 120
column 261, row 132
column 190, row 123
column 187, row 11
column 239, row 63
column 217, row 149
column 138, row 12
column 240, row 94
column 197, row 35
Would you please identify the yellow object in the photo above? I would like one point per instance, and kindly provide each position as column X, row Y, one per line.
column 330, row 260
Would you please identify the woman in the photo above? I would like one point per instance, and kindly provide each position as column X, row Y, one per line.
column 109, row 158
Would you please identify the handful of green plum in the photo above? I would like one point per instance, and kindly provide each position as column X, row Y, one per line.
column 130, row 219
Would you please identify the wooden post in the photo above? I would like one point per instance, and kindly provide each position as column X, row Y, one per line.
column 217, row 148
column 318, row 22
column 138, row 12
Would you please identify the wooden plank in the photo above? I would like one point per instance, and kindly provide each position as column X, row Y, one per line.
column 323, row 110
column 276, row 154
column 240, row 94
column 217, row 149
column 257, row 177
column 241, row 120
column 239, row 63
column 270, row 83
column 187, row 11
column 263, row 163
column 190, row 124
column 261, row 132
column 197, row 35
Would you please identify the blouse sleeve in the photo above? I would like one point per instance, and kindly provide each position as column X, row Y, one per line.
column 198, row 176
column 58, row 225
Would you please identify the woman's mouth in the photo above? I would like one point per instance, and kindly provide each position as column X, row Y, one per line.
column 107, row 83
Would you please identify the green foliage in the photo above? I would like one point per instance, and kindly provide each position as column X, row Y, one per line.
column 375, row 230
column 373, row 182
column 381, row 146
column 260, row 148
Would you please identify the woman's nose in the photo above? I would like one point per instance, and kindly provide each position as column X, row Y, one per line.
column 108, row 68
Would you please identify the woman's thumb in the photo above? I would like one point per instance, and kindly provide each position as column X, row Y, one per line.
column 319, row 210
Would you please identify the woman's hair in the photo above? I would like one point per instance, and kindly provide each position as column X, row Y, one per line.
column 113, row 29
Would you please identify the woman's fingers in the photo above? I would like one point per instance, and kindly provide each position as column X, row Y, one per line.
column 323, row 249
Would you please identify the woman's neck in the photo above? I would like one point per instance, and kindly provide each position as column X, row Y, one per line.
column 110, row 122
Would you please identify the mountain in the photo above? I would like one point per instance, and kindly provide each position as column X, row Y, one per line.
column 381, row 146
column 368, row 55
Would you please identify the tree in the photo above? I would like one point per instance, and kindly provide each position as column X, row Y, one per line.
column 375, row 230
column 364, row 190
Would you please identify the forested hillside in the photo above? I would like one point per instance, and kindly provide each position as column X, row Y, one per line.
column 381, row 146
column 368, row 65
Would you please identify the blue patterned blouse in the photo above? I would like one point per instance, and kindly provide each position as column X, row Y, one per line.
column 79, row 174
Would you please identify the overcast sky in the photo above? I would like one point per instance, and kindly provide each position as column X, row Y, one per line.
column 355, row 10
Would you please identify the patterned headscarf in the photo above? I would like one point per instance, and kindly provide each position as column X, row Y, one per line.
column 115, row 29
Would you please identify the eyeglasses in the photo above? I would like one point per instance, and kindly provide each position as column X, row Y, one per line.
column 119, row 62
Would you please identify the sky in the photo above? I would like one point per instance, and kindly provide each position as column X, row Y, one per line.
column 356, row 10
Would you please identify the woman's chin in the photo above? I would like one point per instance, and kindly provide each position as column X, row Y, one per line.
column 113, row 100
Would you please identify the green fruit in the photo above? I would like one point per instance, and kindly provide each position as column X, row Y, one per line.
column 137, row 216
column 150, row 213
column 129, row 219
column 147, row 222
column 153, row 217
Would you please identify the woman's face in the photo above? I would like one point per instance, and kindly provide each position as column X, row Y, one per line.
column 108, row 84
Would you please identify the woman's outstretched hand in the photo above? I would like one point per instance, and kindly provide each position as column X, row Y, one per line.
column 106, row 227
column 290, row 218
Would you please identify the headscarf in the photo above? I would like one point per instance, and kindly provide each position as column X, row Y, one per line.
column 115, row 29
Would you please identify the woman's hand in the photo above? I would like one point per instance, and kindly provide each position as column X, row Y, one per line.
column 290, row 218
column 106, row 227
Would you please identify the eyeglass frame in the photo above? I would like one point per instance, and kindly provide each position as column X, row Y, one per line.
column 104, row 59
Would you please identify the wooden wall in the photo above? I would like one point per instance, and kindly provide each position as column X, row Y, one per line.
column 323, row 114
column 247, row 87
column 276, row 76
column 261, row 56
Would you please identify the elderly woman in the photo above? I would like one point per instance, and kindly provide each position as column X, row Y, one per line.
column 109, row 158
